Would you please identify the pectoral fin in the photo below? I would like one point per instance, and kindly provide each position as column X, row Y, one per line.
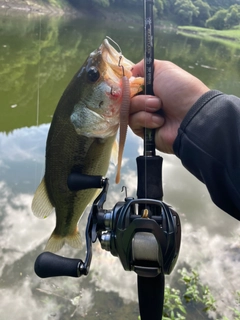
column 114, row 154
column 41, row 205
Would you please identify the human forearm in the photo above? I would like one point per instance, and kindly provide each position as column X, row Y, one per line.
column 208, row 144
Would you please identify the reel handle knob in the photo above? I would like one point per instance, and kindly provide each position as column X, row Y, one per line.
column 77, row 181
column 49, row 264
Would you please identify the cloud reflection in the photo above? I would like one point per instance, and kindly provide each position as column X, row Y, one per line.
column 20, row 232
column 210, row 238
column 22, row 144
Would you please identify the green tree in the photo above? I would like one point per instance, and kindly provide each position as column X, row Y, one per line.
column 169, row 7
column 221, row 4
column 159, row 5
column 185, row 10
column 204, row 13
column 217, row 21
column 233, row 16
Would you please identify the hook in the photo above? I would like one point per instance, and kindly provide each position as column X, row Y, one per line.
column 120, row 53
column 120, row 58
column 124, row 188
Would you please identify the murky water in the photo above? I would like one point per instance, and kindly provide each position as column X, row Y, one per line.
column 38, row 58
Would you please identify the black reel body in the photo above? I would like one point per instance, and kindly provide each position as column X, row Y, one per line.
column 145, row 243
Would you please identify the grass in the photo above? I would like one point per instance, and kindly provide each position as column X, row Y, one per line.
column 232, row 35
column 194, row 299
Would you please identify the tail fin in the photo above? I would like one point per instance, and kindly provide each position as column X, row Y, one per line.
column 56, row 242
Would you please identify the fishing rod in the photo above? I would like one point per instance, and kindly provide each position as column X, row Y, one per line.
column 148, row 40
column 144, row 233
column 149, row 167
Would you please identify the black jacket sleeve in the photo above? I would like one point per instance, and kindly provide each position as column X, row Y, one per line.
column 208, row 144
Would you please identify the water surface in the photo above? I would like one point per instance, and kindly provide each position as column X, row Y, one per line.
column 38, row 58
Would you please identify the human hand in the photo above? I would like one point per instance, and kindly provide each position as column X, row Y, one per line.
column 175, row 91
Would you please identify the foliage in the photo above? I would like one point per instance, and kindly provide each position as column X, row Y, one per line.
column 159, row 6
column 192, row 292
column 173, row 305
column 217, row 14
column 217, row 21
column 195, row 291
column 185, row 10
column 233, row 16
column 225, row 19
column 204, row 13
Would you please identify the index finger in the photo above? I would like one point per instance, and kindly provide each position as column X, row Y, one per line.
column 145, row 103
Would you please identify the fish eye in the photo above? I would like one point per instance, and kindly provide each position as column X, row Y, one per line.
column 93, row 74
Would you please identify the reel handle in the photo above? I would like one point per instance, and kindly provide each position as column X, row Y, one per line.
column 49, row 264
column 77, row 181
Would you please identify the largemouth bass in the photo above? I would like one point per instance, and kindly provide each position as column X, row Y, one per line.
column 81, row 138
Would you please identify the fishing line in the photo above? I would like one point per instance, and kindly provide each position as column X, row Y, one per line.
column 38, row 77
column 118, row 46
column 38, row 89
column 124, row 114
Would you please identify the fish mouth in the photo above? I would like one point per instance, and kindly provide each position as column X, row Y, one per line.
column 115, row 59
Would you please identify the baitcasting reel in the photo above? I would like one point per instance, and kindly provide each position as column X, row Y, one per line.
column 145, row 234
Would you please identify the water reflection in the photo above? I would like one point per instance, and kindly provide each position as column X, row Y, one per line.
column 209, row 237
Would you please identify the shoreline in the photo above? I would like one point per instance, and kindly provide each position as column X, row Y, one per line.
column 205, row 33
column 25, row 7
column 34, row 8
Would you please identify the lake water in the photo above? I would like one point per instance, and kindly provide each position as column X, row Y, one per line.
column 38, row 58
